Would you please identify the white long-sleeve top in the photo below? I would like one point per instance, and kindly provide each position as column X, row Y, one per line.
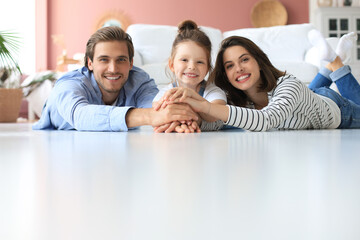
column 292, row 105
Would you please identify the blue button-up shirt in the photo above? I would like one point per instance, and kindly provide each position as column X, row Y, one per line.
column 76, row 102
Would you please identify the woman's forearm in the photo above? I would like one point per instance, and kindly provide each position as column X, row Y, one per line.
column 216, row 111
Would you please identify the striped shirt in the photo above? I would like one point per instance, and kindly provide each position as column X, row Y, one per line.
column 292, row 105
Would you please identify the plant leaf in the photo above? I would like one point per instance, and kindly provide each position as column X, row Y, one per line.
column 9, row 45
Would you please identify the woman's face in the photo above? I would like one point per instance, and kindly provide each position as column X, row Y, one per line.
column 241, row 69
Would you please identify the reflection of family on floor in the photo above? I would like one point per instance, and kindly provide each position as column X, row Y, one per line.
column 110, row 94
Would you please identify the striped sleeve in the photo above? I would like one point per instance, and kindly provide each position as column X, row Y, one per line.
column 282, row 105
column 211, row 126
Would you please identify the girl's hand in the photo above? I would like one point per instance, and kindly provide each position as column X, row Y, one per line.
column 168, row 127
column 186, row 127
column 179, row 94
column 189, row 127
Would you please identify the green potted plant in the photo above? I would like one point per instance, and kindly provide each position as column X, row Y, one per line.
column 10, row 73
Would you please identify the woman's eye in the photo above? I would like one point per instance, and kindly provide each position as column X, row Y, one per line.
column 245, row 59
column 228, row 66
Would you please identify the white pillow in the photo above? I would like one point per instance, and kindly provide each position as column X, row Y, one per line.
column 281, row 43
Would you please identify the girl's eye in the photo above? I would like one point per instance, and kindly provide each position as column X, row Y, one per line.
column 184, row 60
column 201, row 62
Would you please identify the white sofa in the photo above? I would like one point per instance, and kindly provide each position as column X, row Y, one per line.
column 287, row 47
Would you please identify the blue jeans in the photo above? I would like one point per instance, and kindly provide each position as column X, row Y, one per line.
column 349, row 88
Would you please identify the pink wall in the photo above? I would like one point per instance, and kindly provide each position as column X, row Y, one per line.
column 76, row 19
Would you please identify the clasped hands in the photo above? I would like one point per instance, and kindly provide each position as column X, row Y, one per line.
column 184, row 97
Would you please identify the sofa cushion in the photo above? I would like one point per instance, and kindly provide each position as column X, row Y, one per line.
column 280, row 43
column 303, row 71
column 159, row 72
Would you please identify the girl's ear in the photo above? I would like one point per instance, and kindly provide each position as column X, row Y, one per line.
column 171, row 65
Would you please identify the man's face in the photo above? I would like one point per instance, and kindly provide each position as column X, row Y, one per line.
column 111, row 66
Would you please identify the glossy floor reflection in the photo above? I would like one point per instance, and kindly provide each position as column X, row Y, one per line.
column 231, row 184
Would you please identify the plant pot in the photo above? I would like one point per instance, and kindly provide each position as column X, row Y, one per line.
column 10, row 103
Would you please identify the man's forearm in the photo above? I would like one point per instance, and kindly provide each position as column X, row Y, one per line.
column 136, row 117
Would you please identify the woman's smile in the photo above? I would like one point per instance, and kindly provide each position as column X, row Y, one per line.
column 243, row 78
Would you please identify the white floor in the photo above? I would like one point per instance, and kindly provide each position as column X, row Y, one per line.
column 217, row 185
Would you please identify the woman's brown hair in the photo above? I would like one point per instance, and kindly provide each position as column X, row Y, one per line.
column 268, row 73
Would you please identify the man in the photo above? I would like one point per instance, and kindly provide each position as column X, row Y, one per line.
column 108, row 93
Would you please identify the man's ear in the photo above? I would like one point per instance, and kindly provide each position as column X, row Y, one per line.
column 132, row 63
column 90, row 65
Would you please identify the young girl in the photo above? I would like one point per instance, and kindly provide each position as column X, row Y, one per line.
column 262, row 97
column 190, row 61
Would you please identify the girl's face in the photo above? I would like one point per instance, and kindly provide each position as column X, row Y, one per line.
column 190, row 64
column 241, row 69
